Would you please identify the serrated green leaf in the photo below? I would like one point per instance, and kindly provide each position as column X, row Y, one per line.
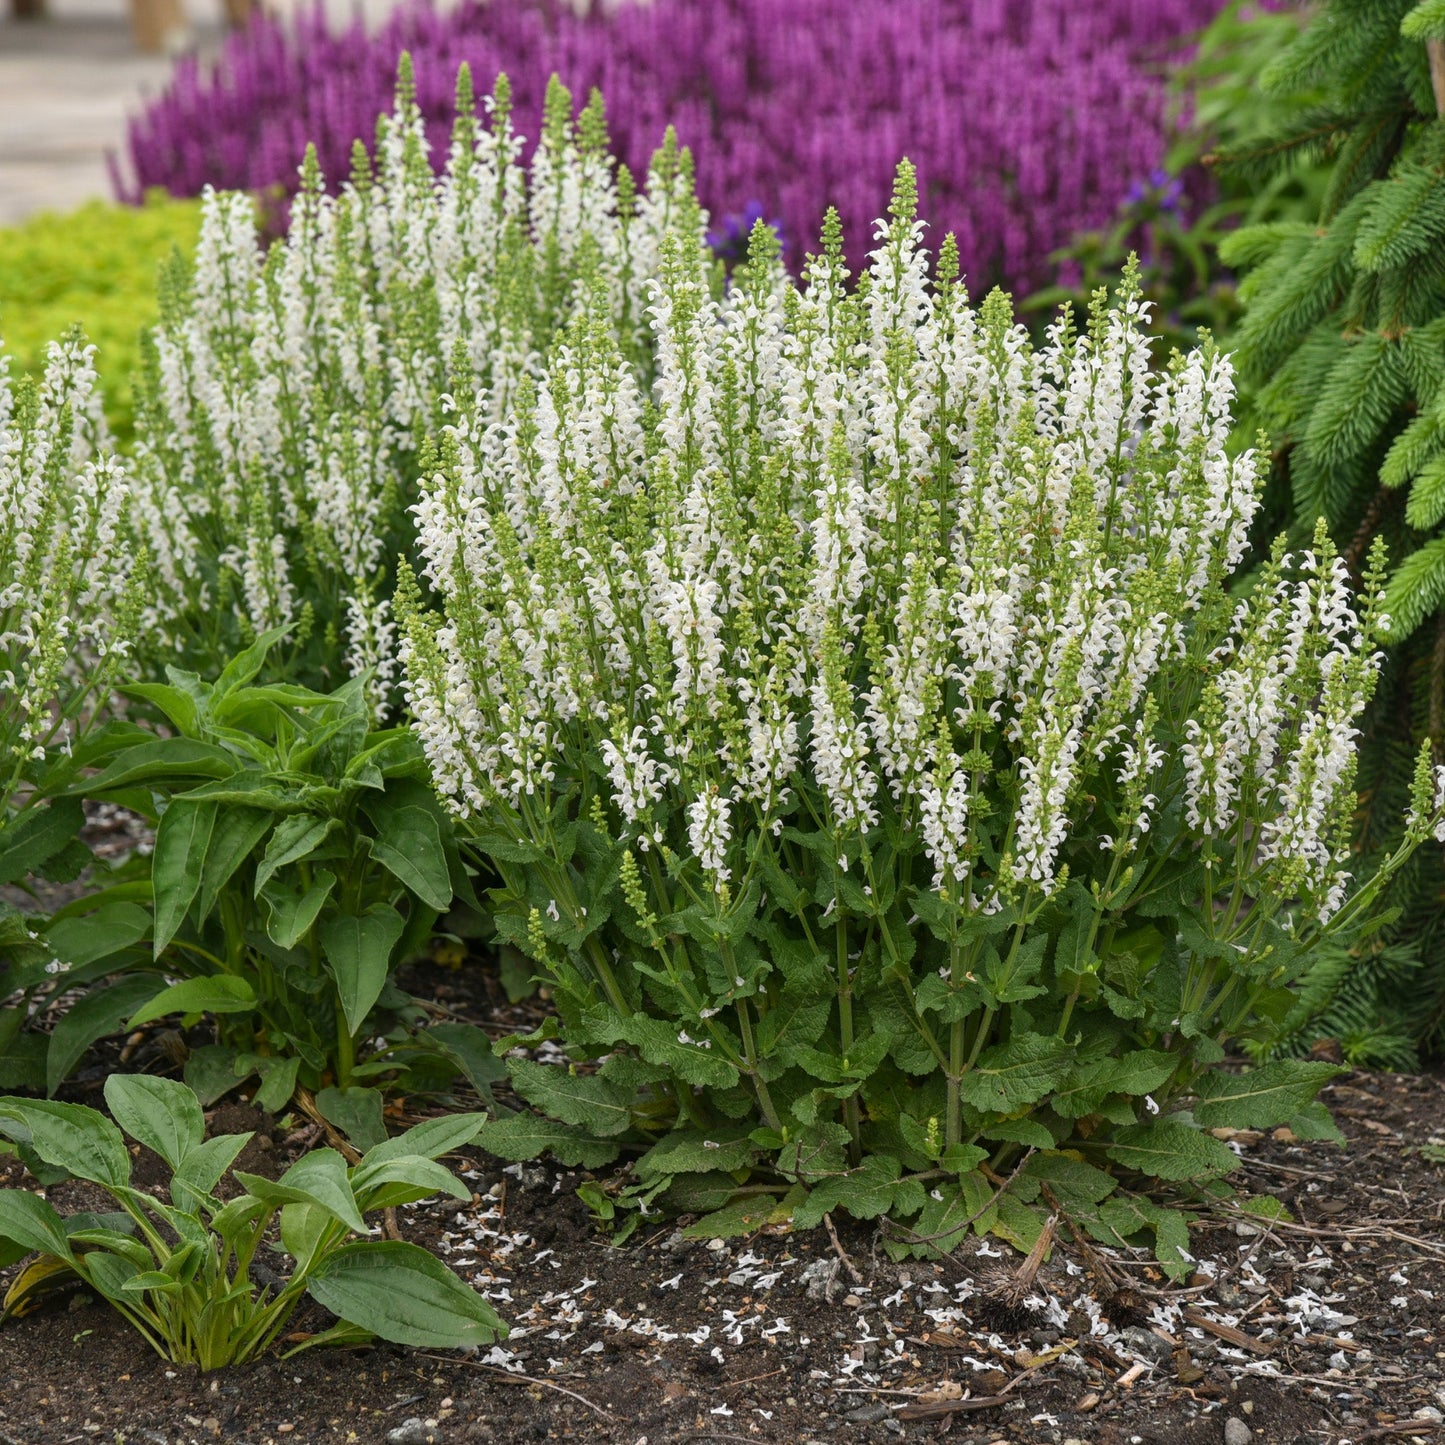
column 1010, row 1076
column 692, row 1152
column 1261, row 1098
column 589, row 1101
column 1170, row 1149
column 526, row 1136
column 865, row 1192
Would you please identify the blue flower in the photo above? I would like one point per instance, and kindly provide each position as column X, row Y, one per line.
column 729, row 239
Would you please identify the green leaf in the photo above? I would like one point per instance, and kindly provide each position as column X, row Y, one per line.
column 687, row 1151
column 242, row 668
column 202, row 1167
column 1089, row 1084
column 1262, row 1098
column 431, row 1139
column 1314, row 1122
column 159, row 1113
column 318, row 1178
column 175, row 760
column 83, row 940
column 211, row 1072
column 1426, row 21
column 470, row 1048
column 1128, row 1215
column 1169, row 1149
column 292, row 914
column 658, row 1042
column 358, row 952
column 401, row 1293
column 236, row 833
column 182, row 838
column 90, row 1018
column 79, row 1140
column 527, row 1136
column 865, row 1192
column 949, row 1213
column 409, row 846
column 1010, row 1076
column 593, row 1103
column 29, row 842
column 404, row 1180
column 356, row 1112
column 221, row 993
column 295, row 838
column 32, row 1223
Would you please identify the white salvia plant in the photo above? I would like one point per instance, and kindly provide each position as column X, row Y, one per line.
column 68, row 579
column 868, row 740
column 292, row 392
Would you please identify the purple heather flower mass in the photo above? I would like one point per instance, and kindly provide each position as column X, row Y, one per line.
column 1027, row 120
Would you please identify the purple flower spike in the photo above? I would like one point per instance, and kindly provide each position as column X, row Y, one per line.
column 1025, row 119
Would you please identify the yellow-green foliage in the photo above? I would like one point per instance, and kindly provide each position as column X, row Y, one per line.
column 95, row 266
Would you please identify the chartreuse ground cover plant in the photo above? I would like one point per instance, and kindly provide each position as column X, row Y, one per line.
column 181, row 1271
column 1341, row 346
column 299, row 857
column 290, row 393
column 876, row 764
column 96, row 267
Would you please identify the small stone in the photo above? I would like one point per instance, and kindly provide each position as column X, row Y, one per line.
column 1236, row 1432
column 414, row 1431
column 717, row 1245
column 1247, row 1406
column 852, row 1301
column 868, row 1415
column 285, row 1428
column 1427, row 1412
column 1147, row 1343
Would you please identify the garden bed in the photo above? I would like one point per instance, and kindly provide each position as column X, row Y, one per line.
column 775, row 1338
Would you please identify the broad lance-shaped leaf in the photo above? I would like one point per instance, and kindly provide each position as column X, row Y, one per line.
column 237, row 832
column 32, row 1224
column 182, row 838
column 222, row 993
column 318, row 1178
column 92, row 1017
column 161, row 1114
column 1011, row 1076
column 431, row 1138
column 70, row 1136
column 358, row 952
column 586, row 1100
column 291, row 914
column 403, row 1294
column 409, row 846
column 1169, row 1149
column 1261, row 1098
column 295, row 838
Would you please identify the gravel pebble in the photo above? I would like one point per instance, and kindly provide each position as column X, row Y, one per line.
column 1236, row 1432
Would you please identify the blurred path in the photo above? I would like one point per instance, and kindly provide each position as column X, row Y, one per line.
column 67, row 85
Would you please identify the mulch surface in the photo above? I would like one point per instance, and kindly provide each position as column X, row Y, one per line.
column 1327, row 1328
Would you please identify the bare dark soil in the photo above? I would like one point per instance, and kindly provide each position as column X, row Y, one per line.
column 1327, row 1329
column 1324, row 1329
